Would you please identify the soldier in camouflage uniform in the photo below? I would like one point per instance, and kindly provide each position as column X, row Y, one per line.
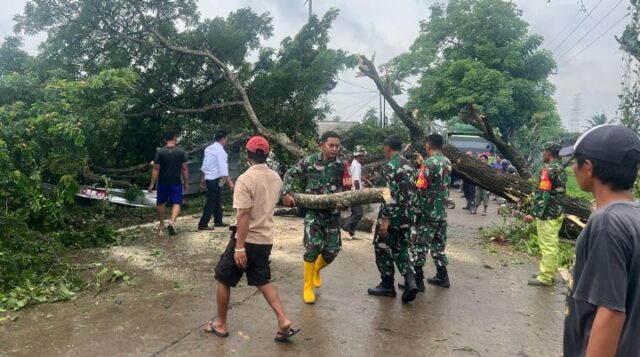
column 547, row 210
column 392, row 239
column 323, row 172
column 431, row 224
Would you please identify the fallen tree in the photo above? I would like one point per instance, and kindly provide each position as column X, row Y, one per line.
column 513, row 188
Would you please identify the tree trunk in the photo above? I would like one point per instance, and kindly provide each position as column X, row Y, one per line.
column 417, row 134
column 287, row 211
column 513, row 188
column 346, row 199
column 471, row 116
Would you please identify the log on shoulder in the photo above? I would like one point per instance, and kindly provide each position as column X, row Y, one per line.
column 346, row 199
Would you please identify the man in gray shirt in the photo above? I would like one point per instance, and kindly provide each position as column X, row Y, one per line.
column 603, row 304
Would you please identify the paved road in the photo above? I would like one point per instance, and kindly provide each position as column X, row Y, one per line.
column 489, row 310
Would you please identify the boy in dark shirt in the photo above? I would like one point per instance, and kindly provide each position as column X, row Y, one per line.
column 169, row 164
column 603, row 304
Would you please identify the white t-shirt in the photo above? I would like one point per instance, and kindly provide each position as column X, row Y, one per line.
column 356, row 173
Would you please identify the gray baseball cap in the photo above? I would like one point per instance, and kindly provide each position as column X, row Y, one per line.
column 609, row 143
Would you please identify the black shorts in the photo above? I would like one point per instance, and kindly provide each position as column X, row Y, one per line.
column 258, row 271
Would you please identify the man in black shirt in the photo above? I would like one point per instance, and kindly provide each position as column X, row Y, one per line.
column 170, row 161
column 603, row 304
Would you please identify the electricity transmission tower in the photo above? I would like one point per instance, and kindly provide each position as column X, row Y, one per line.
column 575, row 113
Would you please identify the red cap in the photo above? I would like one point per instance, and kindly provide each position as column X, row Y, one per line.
column 258, row 143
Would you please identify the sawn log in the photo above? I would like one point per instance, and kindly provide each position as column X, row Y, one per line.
column 346, row 199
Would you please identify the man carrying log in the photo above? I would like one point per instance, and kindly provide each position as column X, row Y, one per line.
column 431, row 223
column 393, row 231
column 549, row 213
column 323, row 172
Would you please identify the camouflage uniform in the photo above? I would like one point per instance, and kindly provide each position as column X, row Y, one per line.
column 545, row 202
column 431, row 223
column 400, row 177
column 549, row 213
column 321, row 227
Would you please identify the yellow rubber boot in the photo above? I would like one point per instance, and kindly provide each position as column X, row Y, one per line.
column 308, row 295
column 320, row 264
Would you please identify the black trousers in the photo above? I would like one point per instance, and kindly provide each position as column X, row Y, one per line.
column 356, row 215
column 213, row 206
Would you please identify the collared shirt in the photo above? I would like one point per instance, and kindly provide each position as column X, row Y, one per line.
column 215, row 163
column 356, row 174
column 258, row 189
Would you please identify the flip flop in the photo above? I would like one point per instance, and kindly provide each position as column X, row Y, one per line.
column 212, row 330
column 171, row 229
column 284, row 336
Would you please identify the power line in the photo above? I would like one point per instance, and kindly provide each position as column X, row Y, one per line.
column 590, row 30
column 594, row 41
column 578, row 26
column 566, row 26
column 356, row 92
column 356, row 85
column 362, row 107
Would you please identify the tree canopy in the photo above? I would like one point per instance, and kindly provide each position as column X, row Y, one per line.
column 479, row 53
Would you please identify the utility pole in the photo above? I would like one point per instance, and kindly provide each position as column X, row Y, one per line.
column 575, row 112
column 381, row 120
column 310, row 7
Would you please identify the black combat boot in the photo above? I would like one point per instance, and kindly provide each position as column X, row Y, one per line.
column 410, row 288
column 441, row 278
column 419, row 280
column 385, row 288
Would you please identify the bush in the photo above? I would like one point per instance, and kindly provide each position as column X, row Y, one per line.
column 523, row 236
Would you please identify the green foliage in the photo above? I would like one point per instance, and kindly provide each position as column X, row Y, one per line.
column 480, row 53
column 133, row 193
column 573, row 189
column 597, row 119
column 522, row 236
column 369, row 134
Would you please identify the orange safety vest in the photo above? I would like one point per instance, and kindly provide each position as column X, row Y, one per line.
column 422, row 183
column 545, row 182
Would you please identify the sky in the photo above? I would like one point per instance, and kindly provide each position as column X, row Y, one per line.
column 581, row 38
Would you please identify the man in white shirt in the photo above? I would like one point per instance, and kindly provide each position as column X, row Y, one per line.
column 356, row 177
column 214, row 169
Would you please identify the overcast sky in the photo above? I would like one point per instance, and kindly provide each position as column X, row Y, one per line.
column 389, row 28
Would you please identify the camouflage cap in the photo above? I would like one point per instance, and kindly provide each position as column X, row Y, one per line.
column 552, row 146
column 359, row 150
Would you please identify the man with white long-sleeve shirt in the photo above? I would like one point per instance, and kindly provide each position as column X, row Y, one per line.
column 215, row 168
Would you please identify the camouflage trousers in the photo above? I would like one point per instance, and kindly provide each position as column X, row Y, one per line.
column 321, row 235
column 394, row 248
column 430, row 236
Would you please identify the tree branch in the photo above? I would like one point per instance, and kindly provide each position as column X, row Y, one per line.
column 280, row 138
column 166, row 107
column 471, row 116
column 418, row 138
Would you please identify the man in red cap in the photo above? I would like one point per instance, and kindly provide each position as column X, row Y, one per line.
column 257, row 191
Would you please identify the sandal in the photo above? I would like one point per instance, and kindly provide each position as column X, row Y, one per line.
column 212, row 330
column 171, row 229
column 284, row 336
